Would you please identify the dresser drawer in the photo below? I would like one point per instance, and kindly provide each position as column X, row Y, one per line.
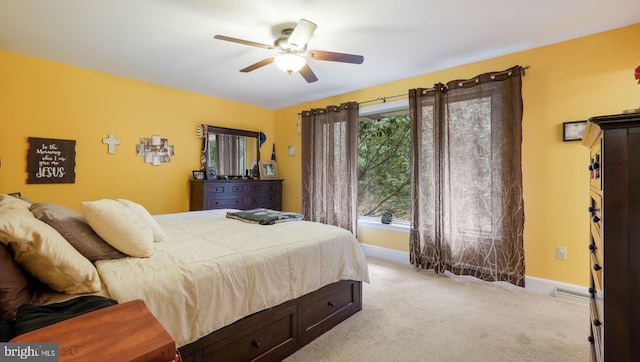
column 265, row 186
column 596, row 246
column 597, row 331
column 223, row 203
column 265, row 200
column 225, row 189
column 328, row 304
column 595, row 166
column 595, row 210
column 597, row 271
column 277, row 333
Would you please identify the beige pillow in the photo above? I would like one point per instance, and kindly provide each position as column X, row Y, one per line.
column 11, row 205
column 158, row 232
column 46, row 255
column 119, row 226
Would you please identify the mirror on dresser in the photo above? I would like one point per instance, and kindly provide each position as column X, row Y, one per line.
column 230, row 152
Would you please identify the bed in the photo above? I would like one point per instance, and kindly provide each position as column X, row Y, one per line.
column 223, row 288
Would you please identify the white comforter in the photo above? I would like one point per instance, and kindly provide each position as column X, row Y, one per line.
column 212, row 271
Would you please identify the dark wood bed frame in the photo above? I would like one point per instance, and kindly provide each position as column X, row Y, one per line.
column 275, row 333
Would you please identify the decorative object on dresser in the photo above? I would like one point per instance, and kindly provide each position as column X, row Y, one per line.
column 614, row 210
column 199, row 175
column 235, row 194
column 268, row 170
column 637, row 76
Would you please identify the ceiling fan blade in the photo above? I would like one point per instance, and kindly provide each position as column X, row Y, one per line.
column 242, row 41
column 308, row 74
column 336, row 57
column 257, row 65
column 301, row 34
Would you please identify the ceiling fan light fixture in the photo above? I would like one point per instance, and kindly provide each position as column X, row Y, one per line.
column 301, row 34
column 289, row 62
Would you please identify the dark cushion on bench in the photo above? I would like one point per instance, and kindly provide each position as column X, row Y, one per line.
column 31, row 317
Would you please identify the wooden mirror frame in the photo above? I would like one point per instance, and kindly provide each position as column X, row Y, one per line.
column 231, row 131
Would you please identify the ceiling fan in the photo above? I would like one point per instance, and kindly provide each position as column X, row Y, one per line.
column 292, row 46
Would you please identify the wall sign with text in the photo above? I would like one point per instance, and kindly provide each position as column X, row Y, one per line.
column 51, row 161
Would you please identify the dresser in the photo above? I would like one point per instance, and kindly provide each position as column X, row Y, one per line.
column 614, row 212
column 235, row 194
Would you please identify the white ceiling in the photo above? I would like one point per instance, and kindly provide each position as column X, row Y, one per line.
column 170, row 42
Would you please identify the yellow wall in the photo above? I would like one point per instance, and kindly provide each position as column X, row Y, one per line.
column 49, row 100
column 568, row 81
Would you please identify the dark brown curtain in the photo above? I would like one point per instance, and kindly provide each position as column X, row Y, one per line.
column 330, row 165
column 468, row 213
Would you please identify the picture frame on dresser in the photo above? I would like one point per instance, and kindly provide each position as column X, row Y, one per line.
column 268, row 170
column 199, row 175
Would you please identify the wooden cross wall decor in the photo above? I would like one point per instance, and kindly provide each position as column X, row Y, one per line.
column 112, row 141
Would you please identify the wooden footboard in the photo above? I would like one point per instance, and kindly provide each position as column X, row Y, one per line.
column 275, row 333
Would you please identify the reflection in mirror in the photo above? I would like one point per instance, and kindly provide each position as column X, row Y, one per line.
column 231, row 152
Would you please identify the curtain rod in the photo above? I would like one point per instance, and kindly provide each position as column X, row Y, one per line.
column 384, row 99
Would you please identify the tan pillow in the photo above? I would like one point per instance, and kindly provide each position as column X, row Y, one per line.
column 74, row 228
column 11, row 204
column 158, row 231
column 46, row 255
column 119, row 226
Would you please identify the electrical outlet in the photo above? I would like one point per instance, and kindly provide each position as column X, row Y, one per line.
column 561, row 253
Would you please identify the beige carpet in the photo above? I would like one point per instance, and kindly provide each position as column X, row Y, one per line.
column 416, row 315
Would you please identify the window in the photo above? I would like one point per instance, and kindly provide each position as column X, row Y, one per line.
column 384, row 151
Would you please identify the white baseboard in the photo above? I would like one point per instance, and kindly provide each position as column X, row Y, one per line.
column 397, row 256
column 554, row 288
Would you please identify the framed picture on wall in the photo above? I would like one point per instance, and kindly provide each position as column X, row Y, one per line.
column 268, row 170
column 572, row 131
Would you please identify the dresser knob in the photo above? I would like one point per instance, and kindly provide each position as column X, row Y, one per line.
column 596, row 267
column 592, row 291
column 596, row 323
column 331, row 304
column 594, row 218
column 595, row 166
column 256, row 344
column 592, row 247
column 590, row 339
